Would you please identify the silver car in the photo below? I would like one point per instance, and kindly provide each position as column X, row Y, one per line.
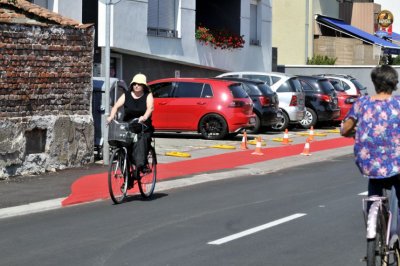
column 290, row 93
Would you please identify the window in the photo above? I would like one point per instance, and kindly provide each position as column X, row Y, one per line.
column 207, row 91
column 306, row 87
column 162, row 18
column 259, row 77
column 285, row 87
column 162, row 90
column 254, row 40
column 188, row 90
column 238, row 91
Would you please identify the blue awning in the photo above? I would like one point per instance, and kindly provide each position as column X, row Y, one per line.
column 340, row 25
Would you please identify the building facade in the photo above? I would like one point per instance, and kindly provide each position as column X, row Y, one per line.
column 158, row 37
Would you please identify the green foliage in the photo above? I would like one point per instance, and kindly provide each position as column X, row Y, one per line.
column 321, row 60
column 395, row 60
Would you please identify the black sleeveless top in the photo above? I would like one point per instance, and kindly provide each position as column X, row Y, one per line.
column 134, row 108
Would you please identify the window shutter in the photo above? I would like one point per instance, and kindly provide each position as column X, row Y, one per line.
column 253, row 23
column 167, row 14
column 152, row 14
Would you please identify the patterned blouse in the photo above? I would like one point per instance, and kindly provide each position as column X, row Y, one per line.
column 377, row 139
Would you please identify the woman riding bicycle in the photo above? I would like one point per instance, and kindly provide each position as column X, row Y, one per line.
column 376, row 122
column 138, row 102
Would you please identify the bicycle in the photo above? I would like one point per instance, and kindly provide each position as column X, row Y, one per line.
column 382, row 230
column 122, row 174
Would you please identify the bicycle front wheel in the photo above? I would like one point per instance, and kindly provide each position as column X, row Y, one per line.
column 377, row 251
column 118, row 176
column 147, row 181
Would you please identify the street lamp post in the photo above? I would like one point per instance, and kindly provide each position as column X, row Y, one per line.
column 106, row 148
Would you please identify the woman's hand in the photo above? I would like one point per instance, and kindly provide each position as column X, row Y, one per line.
column 109, row 119
column 142, row 119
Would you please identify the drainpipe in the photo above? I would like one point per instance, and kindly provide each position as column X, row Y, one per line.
column 307, row 25
column 106, row 149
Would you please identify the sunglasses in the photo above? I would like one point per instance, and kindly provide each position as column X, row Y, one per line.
column 134, row 84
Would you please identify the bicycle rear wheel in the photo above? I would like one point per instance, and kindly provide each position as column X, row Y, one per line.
column 377, row 251
column 118, row 176
column 147, row 181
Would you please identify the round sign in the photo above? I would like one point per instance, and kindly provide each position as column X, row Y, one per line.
column 385, row 18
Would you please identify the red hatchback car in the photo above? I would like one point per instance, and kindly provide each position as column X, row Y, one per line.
column 214, row 108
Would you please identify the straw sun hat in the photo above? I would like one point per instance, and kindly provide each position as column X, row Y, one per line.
column 139, row 79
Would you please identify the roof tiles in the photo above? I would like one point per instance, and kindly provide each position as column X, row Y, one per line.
column 24, row 12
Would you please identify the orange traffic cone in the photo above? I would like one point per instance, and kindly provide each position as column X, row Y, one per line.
column 258, row 147
column 244, row 142
column 285, row 139
column 311, row 134
column 306, row 150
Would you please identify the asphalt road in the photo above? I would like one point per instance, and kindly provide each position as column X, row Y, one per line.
column 305, row 215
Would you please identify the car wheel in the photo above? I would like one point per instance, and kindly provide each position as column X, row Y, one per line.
column 213, row 127
column 310, row 119
column 283, row 124
column 256, row 127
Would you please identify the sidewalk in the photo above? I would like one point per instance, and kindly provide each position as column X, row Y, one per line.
column 88, row 183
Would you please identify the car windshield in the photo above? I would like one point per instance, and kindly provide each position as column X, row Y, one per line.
column 238, row 91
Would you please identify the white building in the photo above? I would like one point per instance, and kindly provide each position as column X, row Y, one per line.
column 157, row 37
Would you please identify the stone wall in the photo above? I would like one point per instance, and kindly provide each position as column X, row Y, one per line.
column 45, row 98
column 348, row 51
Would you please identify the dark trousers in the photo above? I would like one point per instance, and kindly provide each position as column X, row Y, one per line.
column 140, row 149
column 376, row 186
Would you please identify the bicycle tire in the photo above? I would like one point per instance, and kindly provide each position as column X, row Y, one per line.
column 118, row 176
column 147, row 182
column 376, row 247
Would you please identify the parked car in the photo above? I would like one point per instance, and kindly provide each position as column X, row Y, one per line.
column 345, row 101
column 290, row 93
column 321, row 100
column 351, row 85
column 265, row 103
column 266, row 77
column 215, row 108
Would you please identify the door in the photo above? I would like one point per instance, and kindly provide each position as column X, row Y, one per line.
column 162, row 93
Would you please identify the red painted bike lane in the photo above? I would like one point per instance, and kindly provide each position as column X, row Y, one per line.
column 95, row 187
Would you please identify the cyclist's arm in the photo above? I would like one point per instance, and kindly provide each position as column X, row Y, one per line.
column 114, row 109
column 348, row 127
column 149, row 108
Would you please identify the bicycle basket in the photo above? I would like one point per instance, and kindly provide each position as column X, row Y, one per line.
column 119, row 134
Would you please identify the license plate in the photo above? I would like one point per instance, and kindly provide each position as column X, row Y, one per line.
column 252, row 121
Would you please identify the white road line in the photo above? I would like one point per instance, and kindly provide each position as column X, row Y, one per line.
column 365, row 193
column 31, row 208
column 255, row 229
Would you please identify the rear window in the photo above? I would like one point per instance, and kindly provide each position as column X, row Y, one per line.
column 251, row 89
column 238, row 91
column 325, row 86
column 265, row 89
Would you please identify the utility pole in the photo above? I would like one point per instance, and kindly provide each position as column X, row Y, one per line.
column 106, row 148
